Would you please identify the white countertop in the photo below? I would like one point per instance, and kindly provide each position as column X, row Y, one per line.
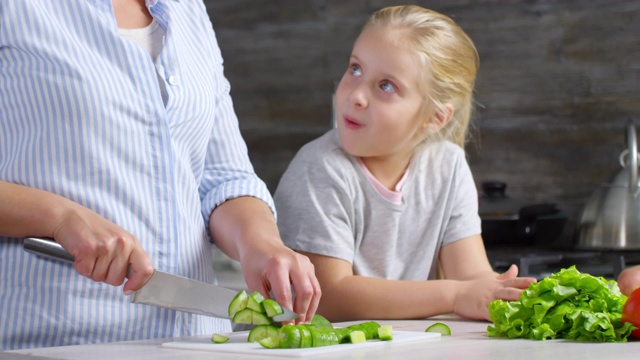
column 468, row 341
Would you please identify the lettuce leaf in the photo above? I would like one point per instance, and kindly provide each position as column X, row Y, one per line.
column 566, row 305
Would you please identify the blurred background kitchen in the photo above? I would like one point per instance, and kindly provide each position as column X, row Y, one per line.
column 558, row 83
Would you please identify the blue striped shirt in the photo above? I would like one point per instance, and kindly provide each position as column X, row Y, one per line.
column 82, row 116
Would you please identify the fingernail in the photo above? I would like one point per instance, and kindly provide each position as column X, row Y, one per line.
column 128, row 292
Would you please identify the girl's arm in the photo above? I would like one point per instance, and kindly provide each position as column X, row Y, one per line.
column 474, row 285
column 465, row 259
column 347, row 297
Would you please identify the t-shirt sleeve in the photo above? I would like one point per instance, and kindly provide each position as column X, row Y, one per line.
column 464, row 220
column 315, row 211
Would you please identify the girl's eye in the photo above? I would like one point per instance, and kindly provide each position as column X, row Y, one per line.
column 355, row 70
column 387, row 87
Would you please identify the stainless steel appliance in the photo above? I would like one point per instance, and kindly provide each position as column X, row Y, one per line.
column 611, row 217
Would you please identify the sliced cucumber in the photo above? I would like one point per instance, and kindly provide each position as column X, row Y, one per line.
column 270, row 342
column 385, row 332
column 369, row 328
column 357, row 337
column 321, row 322
column 260, row 332
column 248, row 316
column 325, row 336
column 272, row 308
column 439, row 328
column 289, row 337
column 219, row 338
column 306, row 340
column 254, row 309
column 238, row 303
column 255, row 301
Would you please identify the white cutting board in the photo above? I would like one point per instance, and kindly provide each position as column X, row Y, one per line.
column 238, row 344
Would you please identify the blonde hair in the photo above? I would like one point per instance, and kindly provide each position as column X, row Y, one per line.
column 450, row 58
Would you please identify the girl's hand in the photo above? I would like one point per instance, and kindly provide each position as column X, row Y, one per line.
column 473, row 300
column 103, row 251
column 629, row 280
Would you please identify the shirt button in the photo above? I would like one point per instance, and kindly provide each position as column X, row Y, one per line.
column 173, row 80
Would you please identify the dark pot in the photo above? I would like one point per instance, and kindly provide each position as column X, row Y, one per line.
column 510, row 223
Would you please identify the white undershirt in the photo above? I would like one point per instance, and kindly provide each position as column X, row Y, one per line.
column 151, row 40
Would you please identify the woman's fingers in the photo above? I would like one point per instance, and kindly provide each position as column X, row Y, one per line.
column 277, row 282
column 290, row 278
column 141, row 270
column 307, row 296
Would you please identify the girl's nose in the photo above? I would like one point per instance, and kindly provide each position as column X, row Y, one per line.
column 359, row 97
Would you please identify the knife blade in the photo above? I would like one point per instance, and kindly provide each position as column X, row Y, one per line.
column 163, row 289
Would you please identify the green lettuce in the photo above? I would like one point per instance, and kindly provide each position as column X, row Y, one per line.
column 566, row 305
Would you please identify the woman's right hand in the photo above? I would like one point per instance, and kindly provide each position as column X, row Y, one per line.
column 103, row 251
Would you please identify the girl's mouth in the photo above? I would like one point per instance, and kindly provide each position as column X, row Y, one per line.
column 350, row 123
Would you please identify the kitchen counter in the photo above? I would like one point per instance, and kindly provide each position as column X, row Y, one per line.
column 468, row 341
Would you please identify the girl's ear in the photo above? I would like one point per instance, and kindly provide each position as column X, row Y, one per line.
column 440, row 118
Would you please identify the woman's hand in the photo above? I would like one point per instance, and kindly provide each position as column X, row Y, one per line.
column 245, row 230
column 102, row 250
column 280, row 270
column 473, row 300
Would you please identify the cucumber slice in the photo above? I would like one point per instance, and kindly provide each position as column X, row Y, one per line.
column 244, row 316
column 385, row 332
column 270, row 342
column 238, row 303
column 271, row 307
column 321, row 322
column 324, row 336
column 369, row 328
column 260, row 332
column 219, row 339
column 306, row 340
column 439, row 328
column 261, row 319
column 289, row 337
column 248, row 316
column 255, row 301
column 357, row 337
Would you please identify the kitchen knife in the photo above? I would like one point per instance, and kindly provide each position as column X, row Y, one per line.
column 163, row 289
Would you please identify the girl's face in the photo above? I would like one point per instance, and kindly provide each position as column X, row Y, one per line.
column 379, row 102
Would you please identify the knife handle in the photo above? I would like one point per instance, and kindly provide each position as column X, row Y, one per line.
column 47, row 248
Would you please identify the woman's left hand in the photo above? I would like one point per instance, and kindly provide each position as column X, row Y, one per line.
column 289, row 276
column 245, row 230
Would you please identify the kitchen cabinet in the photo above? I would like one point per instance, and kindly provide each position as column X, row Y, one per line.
column 468, row 341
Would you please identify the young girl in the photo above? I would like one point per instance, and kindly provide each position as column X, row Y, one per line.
column 385, row 199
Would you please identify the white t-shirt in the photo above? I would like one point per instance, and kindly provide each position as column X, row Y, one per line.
column 327, row 206
column 151, row 40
